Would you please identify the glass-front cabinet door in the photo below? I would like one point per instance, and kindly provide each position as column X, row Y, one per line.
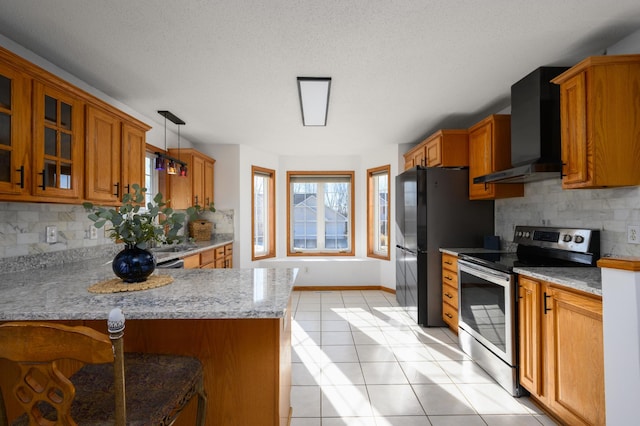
column 58, row 142
column 15, row 101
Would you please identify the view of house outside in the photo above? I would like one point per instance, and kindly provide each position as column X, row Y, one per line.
column 329, row 219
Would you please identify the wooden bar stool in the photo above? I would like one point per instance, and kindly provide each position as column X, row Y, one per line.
column 112, row 387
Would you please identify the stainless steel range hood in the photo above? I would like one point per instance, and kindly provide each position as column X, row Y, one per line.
column 535, row 130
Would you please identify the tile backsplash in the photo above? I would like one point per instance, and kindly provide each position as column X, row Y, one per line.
column 610, row 210
column 23, row 227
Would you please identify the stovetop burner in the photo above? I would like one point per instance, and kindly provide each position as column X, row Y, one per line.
column 545, row 247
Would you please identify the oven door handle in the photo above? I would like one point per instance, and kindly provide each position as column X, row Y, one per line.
column 485, row 273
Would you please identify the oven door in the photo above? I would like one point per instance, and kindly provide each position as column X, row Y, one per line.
column 486, row 308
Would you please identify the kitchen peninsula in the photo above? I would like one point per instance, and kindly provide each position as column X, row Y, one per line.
column 236, row 321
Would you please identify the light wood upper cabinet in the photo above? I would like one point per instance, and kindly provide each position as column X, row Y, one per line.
column 490, row 151
column 447, row 148
column 599, row 122
column 103, row 155
column 15, row 131
column 197, row 186
column 415, row 157
column 208, row 182
column 444, row 148
column 58, row 143
column 114, row 160
column 562, row 350
column 134, row 142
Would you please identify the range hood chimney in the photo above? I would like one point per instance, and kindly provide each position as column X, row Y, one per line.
column 535, row 130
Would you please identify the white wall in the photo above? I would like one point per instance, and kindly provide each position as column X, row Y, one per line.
column 233, row 191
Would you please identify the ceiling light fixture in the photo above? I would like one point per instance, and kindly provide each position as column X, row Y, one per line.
column 175, row 165
column 314, row 100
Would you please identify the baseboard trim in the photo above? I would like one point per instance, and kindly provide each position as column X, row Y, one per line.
column 344, row 288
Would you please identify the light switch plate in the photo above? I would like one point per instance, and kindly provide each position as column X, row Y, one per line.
column 633, row 234
column 52, row 234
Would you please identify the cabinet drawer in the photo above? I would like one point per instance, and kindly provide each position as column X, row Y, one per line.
column 450, row 262
column 192, row 262
column 450, row 316
column 207, row 257
column 450, row 278
column 450, row 295
column 219, row 252
column 228, row 249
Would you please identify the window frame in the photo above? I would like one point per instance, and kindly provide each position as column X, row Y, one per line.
column 270, row 210
column 351, row 223
column 373, row 212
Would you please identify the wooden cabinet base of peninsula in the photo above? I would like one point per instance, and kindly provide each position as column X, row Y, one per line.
column 247, row 364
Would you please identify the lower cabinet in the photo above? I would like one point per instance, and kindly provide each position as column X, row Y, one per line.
column 562, row 351
column 218, row 257
column 450, row 291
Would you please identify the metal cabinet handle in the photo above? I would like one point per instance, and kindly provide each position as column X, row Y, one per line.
column 448, row 315
column 128, row 188
column 21, row 171
column 546, row 309
column 44, row 179
column 117, row 185
column 448, row 277
column 448, row 262
column 448, row 295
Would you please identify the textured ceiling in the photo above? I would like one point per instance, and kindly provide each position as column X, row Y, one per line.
column 400, row 69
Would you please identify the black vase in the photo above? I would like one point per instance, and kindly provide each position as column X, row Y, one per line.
column 133, row 264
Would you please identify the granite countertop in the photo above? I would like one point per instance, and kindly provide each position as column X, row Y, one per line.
column 587, row 279
column 60, row 293
column 457, row 251
column 190, row 248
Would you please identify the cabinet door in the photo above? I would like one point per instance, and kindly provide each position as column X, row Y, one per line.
column 180, row 186
column 198, row 180
column 480, row 161
column 419, row 157
column 575, row 357
column 133, row 152
column 208, row 182
column 15, row 141
column 58, row 138
column 433, row 152
column 102, row 156
column 574, row 131
column 408, row 163
column 529, row 313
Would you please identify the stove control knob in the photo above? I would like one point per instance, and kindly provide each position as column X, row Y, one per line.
column 579, row 239
column 527, row 234
column 566, row 238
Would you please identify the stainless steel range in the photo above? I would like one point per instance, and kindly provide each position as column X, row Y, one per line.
column 488, row 293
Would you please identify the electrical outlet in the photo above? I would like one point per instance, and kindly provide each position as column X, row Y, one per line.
column 93, row 232
column 52, row 234
column 633, row 234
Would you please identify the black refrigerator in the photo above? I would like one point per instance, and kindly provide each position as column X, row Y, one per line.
column 433, row 211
